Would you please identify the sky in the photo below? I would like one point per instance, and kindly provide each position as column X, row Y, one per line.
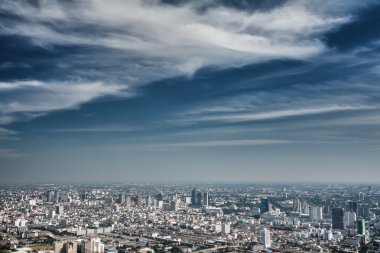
column 179, row 90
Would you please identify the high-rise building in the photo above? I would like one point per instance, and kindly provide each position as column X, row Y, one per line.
column 205, row 199
column 115, row 208
column 50, row 196
column 316, row 213
column 305, row 207
column 265, row 237
column 361, row 226
column 174, row 206
column 352, row 206
column 194, row 196
column 297, row 205
column 199, row 199
column 350, row 219
column 93, row 245
column 65, row 247
column 128, row 201
column 338, row 218
column 138, row 199
column 265, row 206
column 59, row 209
column 57, row 196
column 121, row 198
column 226, row 228
column 148, row 201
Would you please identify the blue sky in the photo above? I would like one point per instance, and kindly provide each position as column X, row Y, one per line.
column 241, row 91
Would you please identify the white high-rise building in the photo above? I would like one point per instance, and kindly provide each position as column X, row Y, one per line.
column 93, row 245
column 226, row 228
column 327, row 235
column 265, row 237
column 316, row 213
column 297, row 205
column 350, row 219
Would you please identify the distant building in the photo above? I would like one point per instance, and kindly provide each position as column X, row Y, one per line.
column 50, row 196
column 57, row 196
column 138, row 199
column 226, row 228
column 316, row 213
column 199, row 199
column 65, row 247
column 93, row 245
column 350, row 219
column 297, row 205
column 206, row 199
column 121, row 198
column 352, row 206
column 194, row 196
column 115, row 208
column 148, row 201
column 128, row 201
column 265, row 206
column 59, row 210
column 338, row 218
column 361, row 226
column 265, row 238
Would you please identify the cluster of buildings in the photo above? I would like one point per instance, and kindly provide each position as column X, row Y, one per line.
column 88, row 218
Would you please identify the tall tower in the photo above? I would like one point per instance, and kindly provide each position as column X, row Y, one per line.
column 265, row 238
column 138, row 199
column 297, row 206
column 361, row 226
column 121, row 199
column 316, row 213
column 338, row 218
column 265, row 206
column 194, row 196
column 205, row 199
column 199, row 199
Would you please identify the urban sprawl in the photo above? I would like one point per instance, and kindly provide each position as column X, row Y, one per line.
column 121, row 218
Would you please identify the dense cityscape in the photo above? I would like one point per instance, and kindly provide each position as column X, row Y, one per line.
column 189, row 218
column 180, row 126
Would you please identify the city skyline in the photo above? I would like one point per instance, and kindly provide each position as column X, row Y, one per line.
column 177, row 90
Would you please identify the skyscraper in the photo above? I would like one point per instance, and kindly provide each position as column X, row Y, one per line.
column 265, row 206
column 92, row 245
column 121, row 199
column 50, row 196
column 265, row 238
column 59, row 209
column 338, row 218
column 138, row 199
column 194, row 196
column 361, row 226
column 128, row 201
column 199, row 199
column 297, row 206
column 205, row 199
column 316, row 213
column 352, row 206
column 57, row 197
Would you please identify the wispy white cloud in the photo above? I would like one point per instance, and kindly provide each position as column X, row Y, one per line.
column 34, row 98
column 94, row 130
column 269, row 115
column 223, row 143
column 159, row 40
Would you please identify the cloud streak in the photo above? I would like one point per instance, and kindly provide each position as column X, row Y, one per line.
column 33, row 98
column 223, row 143
column 270, row 115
